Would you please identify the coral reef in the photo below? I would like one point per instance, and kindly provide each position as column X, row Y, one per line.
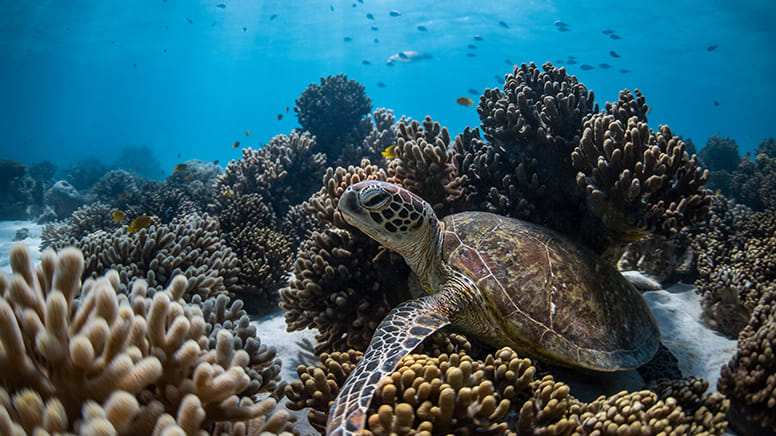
column 63, row 198
column 280, row 172
column 637, row 181
column 92, row 359
column 140, row 159
column 754, row 183
column 86, row 219
column 21, row 197
column 502, row 394
column 424, row 164
column 84, row 173
column 196, row 179
column 766, row 147
column 736, row 258
column 115, row 187
column 190, row 245
column 748, row 379
column 719, row 154
column 333, row 112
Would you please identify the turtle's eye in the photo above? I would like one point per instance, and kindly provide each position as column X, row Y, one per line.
column 374, row 199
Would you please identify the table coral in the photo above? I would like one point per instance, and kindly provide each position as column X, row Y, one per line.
column 90, row 358
column 748, row 379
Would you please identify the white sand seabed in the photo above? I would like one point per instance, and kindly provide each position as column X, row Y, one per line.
column 701, row 351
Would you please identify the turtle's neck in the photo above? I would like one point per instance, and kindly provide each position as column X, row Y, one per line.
column 424, row 256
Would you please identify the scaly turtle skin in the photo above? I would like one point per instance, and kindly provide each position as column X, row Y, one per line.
column 502, row 280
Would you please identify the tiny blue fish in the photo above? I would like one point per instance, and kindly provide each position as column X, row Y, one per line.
column 245, row 29
column 499, row 79
column 615, row 36
column 624, row 71
column 473, row 91
column 563, row 29
column 508, row 62
column 503, row 24
column 370, row 16
column 422, row 28
column 331, row 7
column 402, row 55
column 711, row 47
column 560, row 23
column 380, row 85
column 613, row 54
column 189, row 20
column 376, row 40
column 273, row 16
column 607, row 31
column 604, row 66
column 471, row 46
column 586, row 67
column 571, row 61
column 471, row 55
column 375, row 28
column 347, row 39
column 477, row 38
column 394, row 13
column 221, row 5
column 366, row 62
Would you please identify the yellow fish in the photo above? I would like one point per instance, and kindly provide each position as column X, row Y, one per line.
column 187, row 178
column 718, row 191
column 236, row 144
column 122, row 196
column 118, row 215
column 179, row 167
column 390, row 152
column 228, row 193
column 464, row 101
column 138, row 223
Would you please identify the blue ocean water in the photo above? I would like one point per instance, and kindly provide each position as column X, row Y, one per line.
column 87, row 78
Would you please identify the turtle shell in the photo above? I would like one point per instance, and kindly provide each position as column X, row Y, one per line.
column 550, row 297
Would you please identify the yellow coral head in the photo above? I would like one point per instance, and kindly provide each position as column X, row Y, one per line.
column 389, row 214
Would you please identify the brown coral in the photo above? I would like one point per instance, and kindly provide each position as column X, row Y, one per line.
column 636, row 180
column 424, row 164
column 105, row 361
column 748, row 379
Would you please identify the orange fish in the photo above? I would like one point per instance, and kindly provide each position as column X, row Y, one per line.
column 236, row 144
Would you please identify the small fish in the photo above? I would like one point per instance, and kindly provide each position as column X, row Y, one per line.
column 613, row 54
column 134, row 65
column 390, row 152
column 604, row 66
column 123, row 195
column 118, row 215
column 403, row 55
column 213, row 24
column 139, row 223
column 245, row 29
column 221, row 5
column 286, row 108
column 189, row 20
column 477, row 38
column 473, row 91
column 499, row 79
column 228, row 193
column 503, row 24
column 179, row 167
column 376, row 41
column 624, row 71
column 366, row 62
column 717, row 192
column 471, row 55
column 354, row 5
column 331, row 7
column 394, row 13
column 347, row 39
column 422, row 28
column 370, row 16
column 273, row 16
column 559, row 23
column 236, row 144
column 615, row 36
column 586, row 67
column 571, row 57
column 375, row 28
column 279, row 117
column 247, row 133
column 188, row 177
column 563, row 29
column 716, row 103
column 711, row 47
column 607, row 31
column 649, row 110
column 464, row 101
column 165, row 50
column 571, row 61
column 361, row 1
column 215, row 162
column 179, row 155
column 471, row 46
column 508, row 62
column 380, row 85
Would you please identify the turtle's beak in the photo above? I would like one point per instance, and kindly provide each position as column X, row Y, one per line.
column 348, row 205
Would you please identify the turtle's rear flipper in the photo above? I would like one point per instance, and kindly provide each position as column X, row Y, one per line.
column 396, row 336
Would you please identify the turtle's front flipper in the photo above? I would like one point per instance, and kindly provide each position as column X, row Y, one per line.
column 396, row 336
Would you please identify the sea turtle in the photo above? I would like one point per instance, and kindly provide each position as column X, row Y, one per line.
column 504, row 281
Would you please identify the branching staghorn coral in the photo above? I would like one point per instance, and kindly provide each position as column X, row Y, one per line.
column 332, row 111
column 280, row 172
column 748, row 379
column 635, row 180
column 424, row 164
column 93, row 360
column 190, row 245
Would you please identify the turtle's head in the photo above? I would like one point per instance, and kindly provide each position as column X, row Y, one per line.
column 389, row 214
